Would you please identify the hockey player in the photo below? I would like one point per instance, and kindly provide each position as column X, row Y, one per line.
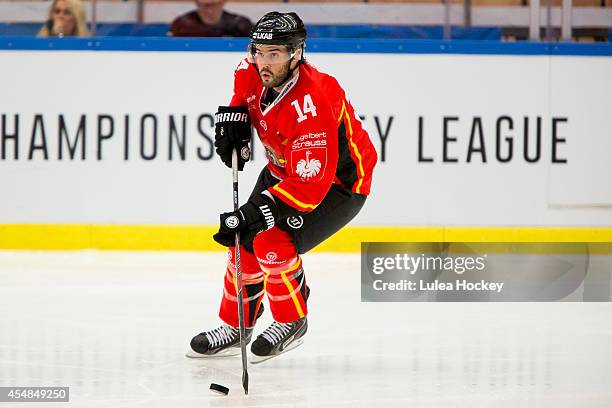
column 317, row 178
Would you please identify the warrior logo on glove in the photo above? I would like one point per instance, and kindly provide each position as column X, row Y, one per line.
column 232, row 222
column 256, row 215
column 231, row 117
column 233, row 132
column 245, row 153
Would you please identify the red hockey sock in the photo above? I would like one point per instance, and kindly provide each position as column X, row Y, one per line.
column 252, row 292
column 285, row 283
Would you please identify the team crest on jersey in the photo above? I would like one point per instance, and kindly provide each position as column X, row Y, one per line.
column 309, row 163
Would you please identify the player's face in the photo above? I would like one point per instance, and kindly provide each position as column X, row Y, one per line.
column 273, row 63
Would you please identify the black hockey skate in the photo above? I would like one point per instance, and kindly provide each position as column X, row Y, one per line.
column 220, row 342
column 277, row 339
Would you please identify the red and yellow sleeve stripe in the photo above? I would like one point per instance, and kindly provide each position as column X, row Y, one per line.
column 360, row 172
column 291, row 200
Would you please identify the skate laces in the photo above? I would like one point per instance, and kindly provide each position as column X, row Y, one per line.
column 221, row 335
column 276, row 331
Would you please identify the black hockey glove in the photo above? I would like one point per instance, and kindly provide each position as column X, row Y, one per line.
column 256, row 215
column 233, row 131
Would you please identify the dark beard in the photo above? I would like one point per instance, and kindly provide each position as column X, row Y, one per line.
column 278, row 80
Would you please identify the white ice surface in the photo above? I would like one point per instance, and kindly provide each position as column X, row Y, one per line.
column 114, row 326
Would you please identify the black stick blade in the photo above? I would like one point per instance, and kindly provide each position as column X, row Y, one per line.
column 245, row 382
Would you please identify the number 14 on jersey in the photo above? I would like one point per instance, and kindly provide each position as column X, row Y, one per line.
column 308, row 108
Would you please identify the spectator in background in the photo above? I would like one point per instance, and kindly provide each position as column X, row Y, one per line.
column 210, row 20
column 66, row 18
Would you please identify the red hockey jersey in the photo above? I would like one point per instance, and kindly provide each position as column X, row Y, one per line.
column 311, row 135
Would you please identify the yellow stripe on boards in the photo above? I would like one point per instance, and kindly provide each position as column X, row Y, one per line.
column 113, row 237
column 199, row 238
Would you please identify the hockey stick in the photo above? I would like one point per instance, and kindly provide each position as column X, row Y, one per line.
column 245, row 373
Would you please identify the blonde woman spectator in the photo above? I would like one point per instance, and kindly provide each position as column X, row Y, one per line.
column 66, row 18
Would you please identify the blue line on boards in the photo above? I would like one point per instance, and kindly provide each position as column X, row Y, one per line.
column 327, row 45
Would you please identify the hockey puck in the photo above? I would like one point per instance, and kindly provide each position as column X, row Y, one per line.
column 219, row 389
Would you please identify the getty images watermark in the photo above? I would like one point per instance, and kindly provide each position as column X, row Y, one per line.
column 442, row 271
column 411, row 264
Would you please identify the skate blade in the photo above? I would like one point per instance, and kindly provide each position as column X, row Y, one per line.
column 255, row 359
column 225, row 353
